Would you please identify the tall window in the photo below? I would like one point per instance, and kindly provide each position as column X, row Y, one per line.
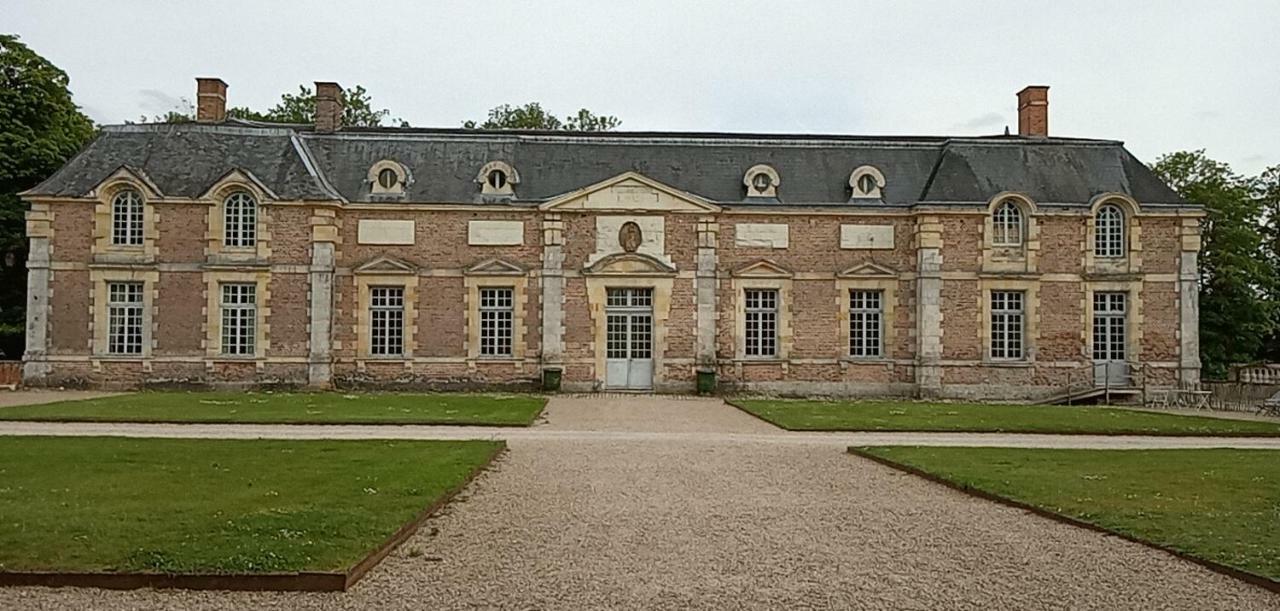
column 1109, row 326
column 1006, row 224
column 240, row 220
column 1108, row 232
column 497, row 314
column 126, row 218
column 1007, row 324
column 866, row 315
column 386, row 321
column 761, row 306
column 239, row 318
column 124, row 317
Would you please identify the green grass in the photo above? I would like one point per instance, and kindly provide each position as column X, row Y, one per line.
column 979, row 418
column 212, row 505
column 1220, row 505
column 283, row 408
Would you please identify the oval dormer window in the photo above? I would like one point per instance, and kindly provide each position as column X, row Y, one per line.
column 497, row 180
column 761, row 181
column 867, row 183
column 387, row 179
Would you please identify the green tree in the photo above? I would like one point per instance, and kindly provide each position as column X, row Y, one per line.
column 1269, row 195
column 533, row 116
column 358, row 110
column 40, row 128
column 1236, row 316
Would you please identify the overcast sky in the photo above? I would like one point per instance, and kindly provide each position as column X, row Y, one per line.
column 1162, row 76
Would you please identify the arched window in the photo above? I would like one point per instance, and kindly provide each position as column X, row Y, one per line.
column 1006, row 225
column 240, row 220
column 1109, row 232
column 126, row 218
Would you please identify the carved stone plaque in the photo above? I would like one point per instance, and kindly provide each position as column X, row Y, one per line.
column 630, row 237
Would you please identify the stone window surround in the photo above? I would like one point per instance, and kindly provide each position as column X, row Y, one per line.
column 1133, row 315
column 213, row 281
column 1132, row 261
column 403, row 178
column 1031, row 314
column 888, row 288
column 856, row 176
column 597, row 291
column 98, row 278
column 103, row 218
column 365, row 281
column 1023, row 257
column 519, row 283
column 508, row 189
column 785, row 336
column 215, row 234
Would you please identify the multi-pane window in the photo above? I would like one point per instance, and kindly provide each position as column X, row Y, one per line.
column 497, row 316
column 1109, row 326
column 126, row 218
column 866, row 317
column 239, row 318
column 761, row 309
column 1006, row 225
column 1008, row 318
column 386, row 320
column 124, row 317
column 1108, row 234
column 240, row 220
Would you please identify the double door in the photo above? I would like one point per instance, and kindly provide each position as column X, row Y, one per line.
column 1110, row 340
column 629, row 339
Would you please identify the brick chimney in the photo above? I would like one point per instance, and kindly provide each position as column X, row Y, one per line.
column 211, row 100
column 328, row 107
column 1033, row 111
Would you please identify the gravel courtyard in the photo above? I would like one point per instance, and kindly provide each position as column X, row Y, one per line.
column 667, row 524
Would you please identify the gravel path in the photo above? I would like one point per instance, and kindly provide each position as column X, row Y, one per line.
column 662, row 523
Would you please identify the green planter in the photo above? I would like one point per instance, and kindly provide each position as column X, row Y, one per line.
column 706, row 381
column 551, row 379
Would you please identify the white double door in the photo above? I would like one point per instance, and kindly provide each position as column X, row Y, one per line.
column 629, row 339
column 1110, row 339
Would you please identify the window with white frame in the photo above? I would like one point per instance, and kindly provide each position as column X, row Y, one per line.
column 1109, row 232
column 386, row 321
column 124, row 317
column 866, row 324
column 1109, row 322
column 761, row 309
column 1006, row 225
column 497, row 317
column 240, row 220
column 239, row 319
column 1008, row 319
column 126, row 218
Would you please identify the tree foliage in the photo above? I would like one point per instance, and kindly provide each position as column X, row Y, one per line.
column 533, row 116
column 357, row 110
column 1269, row 195
column 40, row 128
column 1237, row 283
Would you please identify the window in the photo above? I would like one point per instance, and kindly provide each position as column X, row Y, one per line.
column 1007, row 319
column 124, row 317
column 866, row 182
column 388, row 179
column 386, row 320
column 1006, row 225
column 497, row 180
column 1109, row 326
column 240, row 220
column 497, row 315
column 1108, row 232
column 239, row 319
column 866, row 315
column 126, row 218
column 761, row 307
column 761, row 181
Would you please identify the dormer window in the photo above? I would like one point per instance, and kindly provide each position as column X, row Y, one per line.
column 498, row 178
column 866, row 182
column 1109, row 239
column 388, row 177
column 126, row 218
column 1006, row 224
column 761, row 181
column 240, row 220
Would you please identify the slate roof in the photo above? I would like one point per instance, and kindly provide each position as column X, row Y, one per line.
column 296, row 162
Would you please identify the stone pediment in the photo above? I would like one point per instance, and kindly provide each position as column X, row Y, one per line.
column 495, row 267
column 629, row 264
column 762, row 269
column 131, row 175
column 868, row 270
column 631, row 192
column 386, row 265
column 238, row 177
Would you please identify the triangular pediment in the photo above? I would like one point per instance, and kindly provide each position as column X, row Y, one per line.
column 238, row 177
column 762, row 269
column 631, row 191
column 130, row 175
column 386, row 265
column 629, row 264
column 495, row 267
column 868, row 270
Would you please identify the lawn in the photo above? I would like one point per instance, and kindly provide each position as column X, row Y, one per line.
column 1220, row 505
column 980, row 418
column 215, row 506
column 284, row 408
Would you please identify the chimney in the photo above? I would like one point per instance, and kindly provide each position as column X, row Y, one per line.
column 328, row 107
column 211, row 100
column 1033, row 111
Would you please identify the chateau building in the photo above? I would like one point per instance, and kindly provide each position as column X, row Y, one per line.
column 233, row 252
